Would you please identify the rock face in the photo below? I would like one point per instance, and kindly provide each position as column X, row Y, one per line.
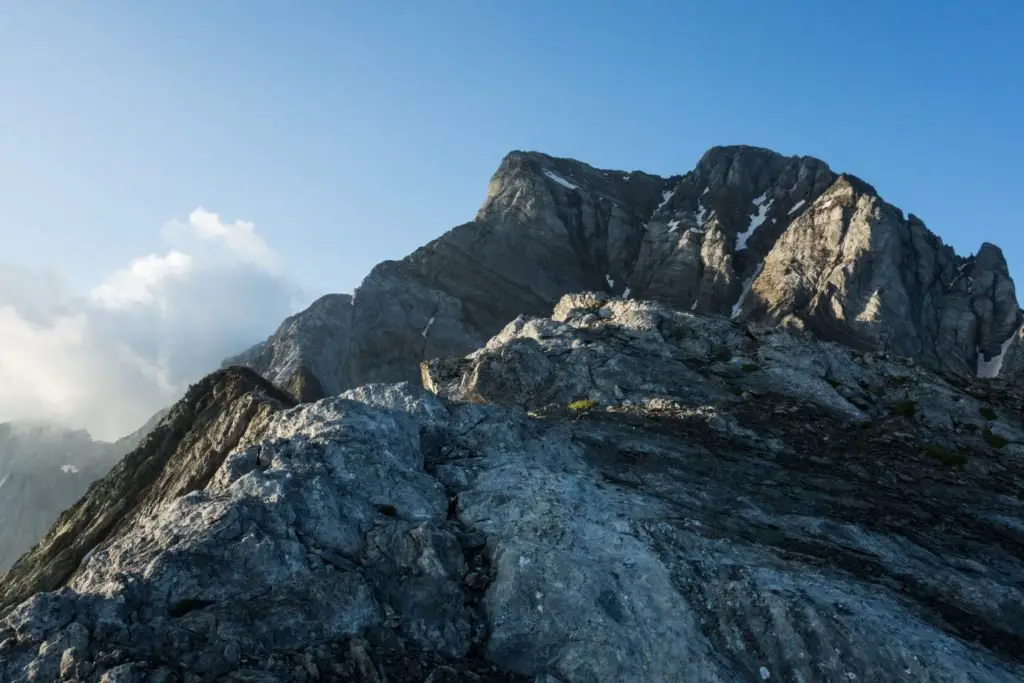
column 621, row 492
column 195, row 434
column 852, row 269
column 43, row 471
column 748, row 233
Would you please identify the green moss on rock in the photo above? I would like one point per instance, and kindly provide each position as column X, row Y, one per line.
column 582, row 405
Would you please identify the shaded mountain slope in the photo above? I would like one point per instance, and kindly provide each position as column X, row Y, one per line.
column 43, row 471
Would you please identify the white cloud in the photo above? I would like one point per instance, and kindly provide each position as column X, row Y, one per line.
column 140, row 283
column 239, row 238
column 107, row 360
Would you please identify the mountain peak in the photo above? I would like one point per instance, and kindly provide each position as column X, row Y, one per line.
column 740, row 153
column 857, row 184
column 748, row 233
column 613, row 360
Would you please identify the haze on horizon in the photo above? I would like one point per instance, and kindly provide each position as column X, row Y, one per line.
column 179, row 177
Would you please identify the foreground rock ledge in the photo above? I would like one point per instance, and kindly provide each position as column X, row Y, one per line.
column 618, row 493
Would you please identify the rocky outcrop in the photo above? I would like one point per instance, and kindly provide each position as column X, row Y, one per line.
column 303, row 356
column 850, row 268
column 621, row 491
column 44, row 469
column 748, row 233
column 195, row 435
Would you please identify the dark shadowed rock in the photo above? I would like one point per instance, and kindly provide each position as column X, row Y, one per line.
column 303, row 355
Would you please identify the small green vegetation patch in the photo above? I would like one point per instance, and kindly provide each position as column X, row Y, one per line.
column 834, row 383
column 749, row 367
column 987, row 413
column 945, row 457
column 582, row 405
column 904, row 409
column 994, row 440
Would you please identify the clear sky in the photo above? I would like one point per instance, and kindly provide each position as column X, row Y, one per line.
column 350, row 132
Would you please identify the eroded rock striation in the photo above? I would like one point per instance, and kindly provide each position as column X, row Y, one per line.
column 748, row 233
column 621, row 491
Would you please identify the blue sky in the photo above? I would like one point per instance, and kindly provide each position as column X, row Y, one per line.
column 172, row 172
column 349, row 132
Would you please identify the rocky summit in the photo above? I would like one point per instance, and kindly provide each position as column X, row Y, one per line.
column 748, row 234
column 750, row 423
column 618, row 492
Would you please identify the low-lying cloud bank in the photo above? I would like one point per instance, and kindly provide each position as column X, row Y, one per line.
column 107, row 360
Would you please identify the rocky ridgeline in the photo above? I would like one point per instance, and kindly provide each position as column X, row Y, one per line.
column 748, row 234
column 620, row 492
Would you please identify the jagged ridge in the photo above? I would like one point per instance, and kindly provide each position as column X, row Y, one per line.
column 177, row 456
column 748, row 233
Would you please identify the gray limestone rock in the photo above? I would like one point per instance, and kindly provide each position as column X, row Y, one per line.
column 195, row 434
column 622, row 491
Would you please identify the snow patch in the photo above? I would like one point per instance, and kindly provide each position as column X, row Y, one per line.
column 560, row 180
column 765, row 673
column 737, row 308
column 666, row 195
column 990, row 368
column 701, row 215
column 796, row 207
column 627, row 176
column 69, row 469
column 625, row 293
column 706, row 189
column 609, row 280
column 755, row 221
column 673, row 225
column 430, row 323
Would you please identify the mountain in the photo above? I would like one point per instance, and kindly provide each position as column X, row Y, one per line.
column 749, row 234
column 615, row 491
column 747, row 423
column 44, row 469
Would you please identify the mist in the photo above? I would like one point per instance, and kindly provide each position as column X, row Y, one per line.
column 105, row 360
